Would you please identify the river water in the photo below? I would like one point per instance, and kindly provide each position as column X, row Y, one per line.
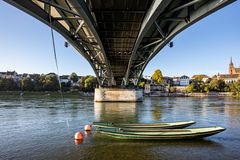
column 40, row 127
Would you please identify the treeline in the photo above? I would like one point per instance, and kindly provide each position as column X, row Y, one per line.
column 48, row 82
column 213, row 85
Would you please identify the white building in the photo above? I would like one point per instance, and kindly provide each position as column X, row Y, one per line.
column 10, row 74
column 184, row 80
column 228, row 78
column 64, row 79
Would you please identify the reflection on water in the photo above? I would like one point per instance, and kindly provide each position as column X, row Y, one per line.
column 110, row 111
column 41, row 127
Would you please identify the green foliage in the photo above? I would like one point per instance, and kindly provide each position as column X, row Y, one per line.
column 210, row 85
column 27, row 84
column 198, row 86
column 47, row 82
column 51, row 83
column 217, row 85
column 206, row 88
column 173, row 89
column 157, row 76
column 198, row 77
column 213, row 85
column 141, row 84
column 88, row 83
column 208, row 81
column 74, row 77
column 236, row 89
column 189, row 88
column 8, row 84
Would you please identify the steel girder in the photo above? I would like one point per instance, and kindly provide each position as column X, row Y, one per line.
column 173, row 21
column 74, row 22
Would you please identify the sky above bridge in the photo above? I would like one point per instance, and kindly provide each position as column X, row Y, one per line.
column 204, row 48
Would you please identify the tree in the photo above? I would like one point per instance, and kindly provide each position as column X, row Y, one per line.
column 50, row 82
column 141, row 84
column 27, row 84
column 236, row 88
column 217, row 85
column 8, row 84
column 157, row 76
column 221, row 85
column 37, row 83
column 189, row 88
column 82, row 83
column 74, row 77
column 173, row 89
column 208, row 81
column 213, row 85
column 198, row 86
column 90, row 83
column 198, row 77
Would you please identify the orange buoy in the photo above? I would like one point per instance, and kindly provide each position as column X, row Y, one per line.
column 78, row 142
column 78, row 136
column 88, row 127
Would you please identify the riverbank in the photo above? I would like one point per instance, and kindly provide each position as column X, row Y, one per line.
column 47, row 93
column 91, row 94
column 210, row 94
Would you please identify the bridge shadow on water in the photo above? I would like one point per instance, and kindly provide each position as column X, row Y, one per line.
column 115, row 112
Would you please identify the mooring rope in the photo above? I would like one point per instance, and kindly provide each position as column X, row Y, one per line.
column 56, row 62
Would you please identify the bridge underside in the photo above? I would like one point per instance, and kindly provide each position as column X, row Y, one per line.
column 119, row 23
column 119, row 37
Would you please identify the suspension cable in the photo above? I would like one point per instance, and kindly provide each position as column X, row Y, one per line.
column 56, row 61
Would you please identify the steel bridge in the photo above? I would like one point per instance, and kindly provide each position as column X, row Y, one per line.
column 119, row 37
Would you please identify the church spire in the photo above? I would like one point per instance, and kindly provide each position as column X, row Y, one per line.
column 231, row 68
column 231, row 63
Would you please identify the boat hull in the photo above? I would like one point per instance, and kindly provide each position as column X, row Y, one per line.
column 165, row 125
column 164, row 134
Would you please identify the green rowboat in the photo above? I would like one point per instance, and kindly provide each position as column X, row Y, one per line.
column 143, row 126
column 164, row 134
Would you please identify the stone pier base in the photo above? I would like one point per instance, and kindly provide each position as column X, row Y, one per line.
column 118, row 95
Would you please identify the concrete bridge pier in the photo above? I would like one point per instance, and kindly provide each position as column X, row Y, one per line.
column 118, row 95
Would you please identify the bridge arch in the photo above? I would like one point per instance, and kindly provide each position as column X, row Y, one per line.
column 119, row 38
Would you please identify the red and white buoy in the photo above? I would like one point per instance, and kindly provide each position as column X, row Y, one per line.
column 78, row 136
column 88, row 127
column 78, row 142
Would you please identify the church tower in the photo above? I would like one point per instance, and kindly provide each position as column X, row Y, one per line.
column 231, row 68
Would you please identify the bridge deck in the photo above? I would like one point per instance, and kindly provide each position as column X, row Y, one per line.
column 119, row 23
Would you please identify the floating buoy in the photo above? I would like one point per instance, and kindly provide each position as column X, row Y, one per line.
column 78, row 136
column 78, row 142
column 88, row 127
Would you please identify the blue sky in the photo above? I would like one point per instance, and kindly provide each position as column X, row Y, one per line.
column 203, row 48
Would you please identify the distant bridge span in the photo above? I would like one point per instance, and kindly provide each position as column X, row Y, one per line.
column 119, row 37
